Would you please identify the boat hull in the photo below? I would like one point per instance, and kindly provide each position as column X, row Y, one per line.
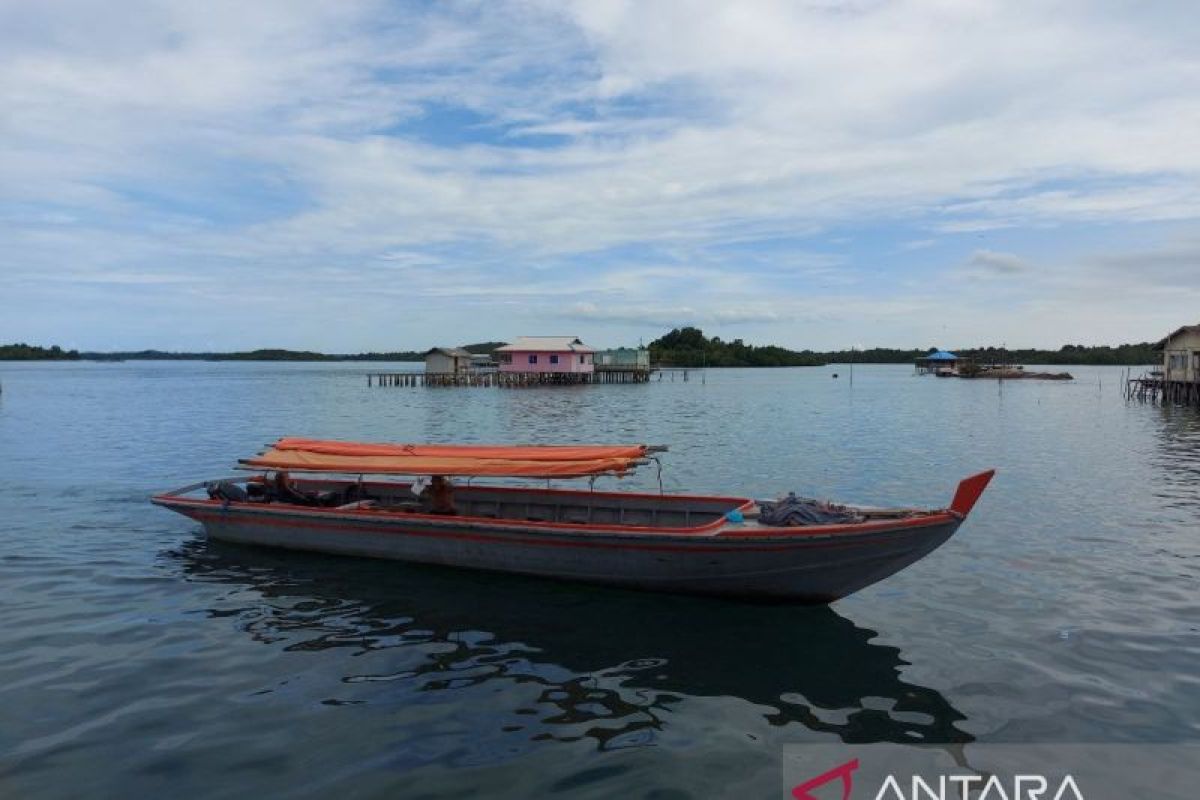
column 784, row 564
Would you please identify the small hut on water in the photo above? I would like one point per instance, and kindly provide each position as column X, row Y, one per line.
column 447, row 361
column 1179, row 379
column 1181, row 355
column 547, row 354
column 939, row 362
column 631, row 357
column 528, row 361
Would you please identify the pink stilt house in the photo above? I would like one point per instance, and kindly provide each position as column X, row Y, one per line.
column 546, row 354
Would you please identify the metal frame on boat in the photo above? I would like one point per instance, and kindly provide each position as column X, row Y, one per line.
column 696, row 544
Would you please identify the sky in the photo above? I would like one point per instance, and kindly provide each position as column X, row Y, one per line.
column 351, row 176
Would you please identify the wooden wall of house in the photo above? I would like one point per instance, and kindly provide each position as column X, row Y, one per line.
column 1181, row 356
column 438, row 363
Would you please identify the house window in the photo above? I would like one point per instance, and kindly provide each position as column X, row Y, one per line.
column 553, row 359
column 583, row 359
column 533, row 358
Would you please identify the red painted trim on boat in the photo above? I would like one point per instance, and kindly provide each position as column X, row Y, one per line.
column 700, row 546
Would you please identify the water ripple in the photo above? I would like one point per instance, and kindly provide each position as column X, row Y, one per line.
column 141, row 660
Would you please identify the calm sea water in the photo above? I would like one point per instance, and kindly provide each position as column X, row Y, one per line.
column 139, row 660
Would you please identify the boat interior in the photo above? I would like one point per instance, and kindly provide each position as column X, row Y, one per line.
column 529, row 504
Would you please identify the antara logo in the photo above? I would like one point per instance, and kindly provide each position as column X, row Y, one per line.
column 945, row 787
column 845, row 772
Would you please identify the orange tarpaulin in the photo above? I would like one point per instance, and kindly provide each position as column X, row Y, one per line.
column 543, row 452
column 567, row 461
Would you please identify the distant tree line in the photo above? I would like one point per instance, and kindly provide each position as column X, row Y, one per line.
column 28, row 352
column 1125, row 354
column 265, row 354
column 274, row 354
column 689, row 347
column 1122, row 355
column 681, row 347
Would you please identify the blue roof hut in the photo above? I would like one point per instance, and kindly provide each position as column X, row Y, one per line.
column 939, row 362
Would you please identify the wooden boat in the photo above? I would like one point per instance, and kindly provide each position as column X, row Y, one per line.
column 696, row 544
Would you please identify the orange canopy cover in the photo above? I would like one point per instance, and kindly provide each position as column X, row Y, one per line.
column 531, row 461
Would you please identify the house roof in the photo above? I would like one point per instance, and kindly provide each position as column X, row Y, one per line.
column 546, row 344
column 1185, row 329
column 940, row 355
column 452, row 352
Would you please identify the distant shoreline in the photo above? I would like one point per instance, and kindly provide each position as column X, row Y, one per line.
column 687, row 347
column 1042, row 358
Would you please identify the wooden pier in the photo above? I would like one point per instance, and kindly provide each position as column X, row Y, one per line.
column 1154, row 389
column 511, row 380
column 612, row 373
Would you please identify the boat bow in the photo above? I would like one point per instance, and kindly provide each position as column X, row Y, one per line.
column 969, row 491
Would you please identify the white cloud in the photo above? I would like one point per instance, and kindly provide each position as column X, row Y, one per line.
column 224, row 140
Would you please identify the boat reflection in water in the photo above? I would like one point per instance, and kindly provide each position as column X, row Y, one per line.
column 611, row 663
